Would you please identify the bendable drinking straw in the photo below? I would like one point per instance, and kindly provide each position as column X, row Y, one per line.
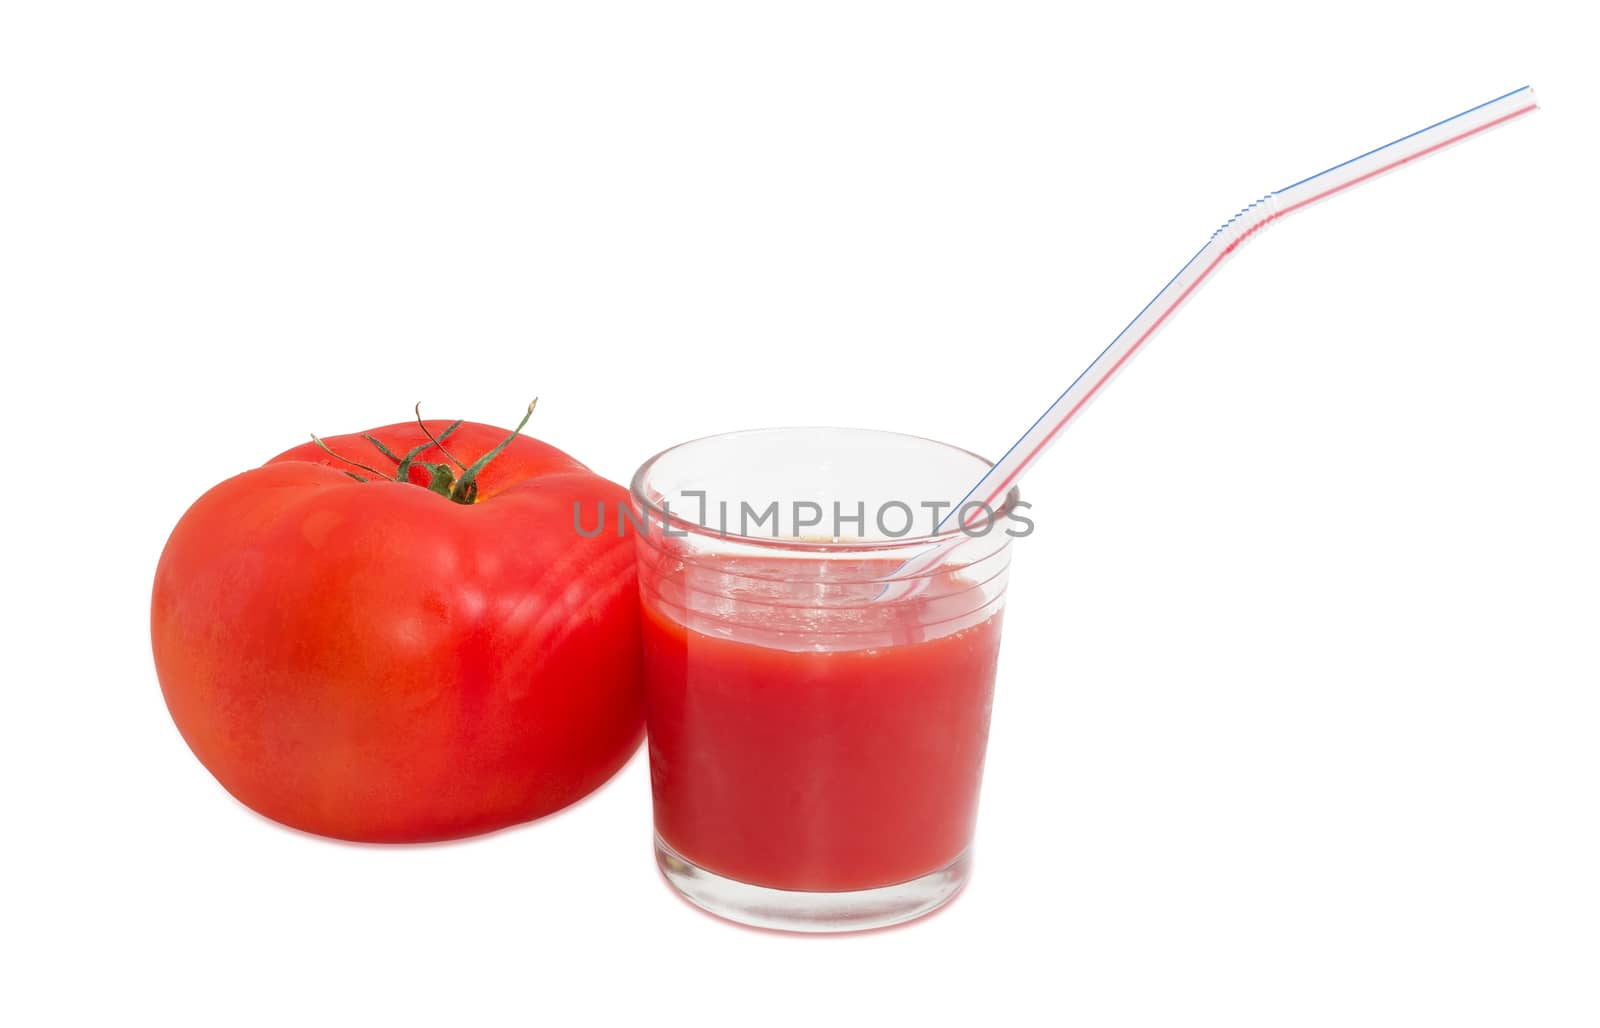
column 980, row 501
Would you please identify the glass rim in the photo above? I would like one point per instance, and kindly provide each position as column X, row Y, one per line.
column 637, row 495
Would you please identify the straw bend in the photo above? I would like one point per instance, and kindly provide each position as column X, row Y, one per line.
column 1263, row 210
column 983, row 499
column 1249, row 222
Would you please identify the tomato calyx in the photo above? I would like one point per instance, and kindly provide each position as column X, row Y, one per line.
column 442, row 478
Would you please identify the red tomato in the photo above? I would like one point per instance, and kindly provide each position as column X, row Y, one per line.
column 372, row 661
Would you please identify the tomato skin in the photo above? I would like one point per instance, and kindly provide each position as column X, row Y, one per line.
column 371, row 661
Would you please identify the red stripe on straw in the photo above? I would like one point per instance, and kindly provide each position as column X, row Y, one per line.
column 1000, row 490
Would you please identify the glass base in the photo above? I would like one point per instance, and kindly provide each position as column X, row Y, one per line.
column 789, row 911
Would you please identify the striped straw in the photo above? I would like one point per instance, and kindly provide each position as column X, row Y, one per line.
column 983, row 498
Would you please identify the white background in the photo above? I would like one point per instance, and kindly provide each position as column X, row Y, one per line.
column 1297, row 720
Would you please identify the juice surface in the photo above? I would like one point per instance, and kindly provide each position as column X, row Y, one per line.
column 817, row 771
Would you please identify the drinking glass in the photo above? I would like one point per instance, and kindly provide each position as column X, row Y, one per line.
column 817, row 698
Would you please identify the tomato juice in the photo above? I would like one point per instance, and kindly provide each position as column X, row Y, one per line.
column 845, row 765
column 817, row 693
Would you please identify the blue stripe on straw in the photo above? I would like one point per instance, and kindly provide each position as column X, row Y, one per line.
column 1092, row 364
column 979, row 484
column 1403, row 138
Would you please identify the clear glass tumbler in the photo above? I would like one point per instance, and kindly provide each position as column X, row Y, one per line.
column 817, row 711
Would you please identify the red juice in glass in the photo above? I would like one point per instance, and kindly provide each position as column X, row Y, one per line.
column 816, row 744
column 825, row 771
